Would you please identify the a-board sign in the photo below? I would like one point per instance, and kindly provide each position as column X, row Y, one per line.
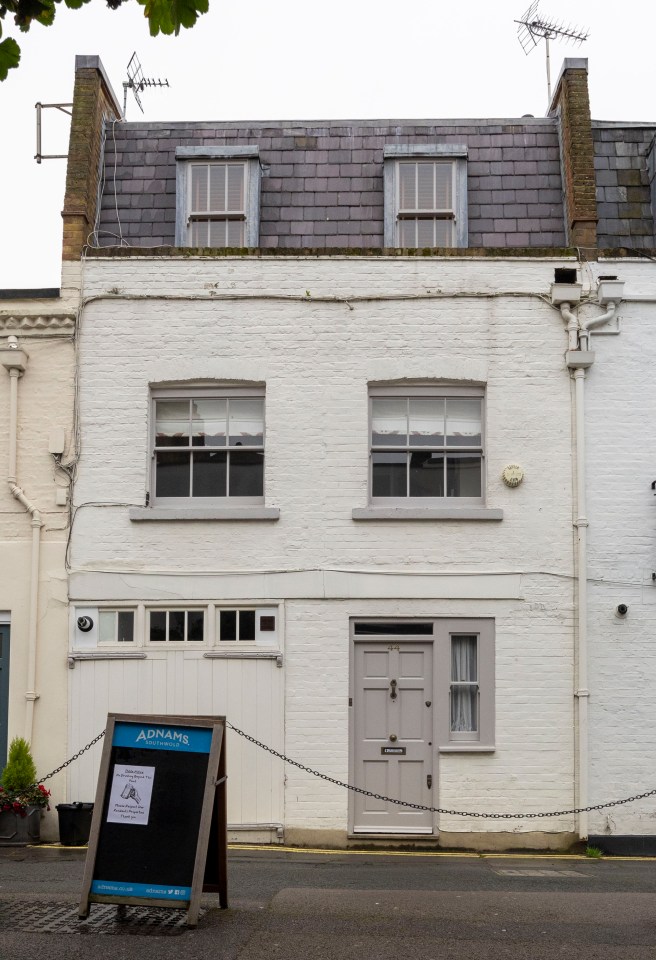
column 161, row 796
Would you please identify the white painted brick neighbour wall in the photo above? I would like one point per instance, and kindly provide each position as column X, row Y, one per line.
column 150, row 321
column 45, row 402
column 621, row 466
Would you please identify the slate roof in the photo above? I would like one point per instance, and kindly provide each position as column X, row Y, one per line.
column 322, row 182
column 623, row 193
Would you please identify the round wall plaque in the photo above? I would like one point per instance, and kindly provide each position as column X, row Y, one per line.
column 512, row 475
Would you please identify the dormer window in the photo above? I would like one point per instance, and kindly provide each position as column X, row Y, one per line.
column 216, row 205
column 218, row 196
column 426, row 196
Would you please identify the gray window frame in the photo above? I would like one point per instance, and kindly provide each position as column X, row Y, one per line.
column 249, row 155
column 444, row 628
column 456, row 154
column 184, row 393
column 437, row 392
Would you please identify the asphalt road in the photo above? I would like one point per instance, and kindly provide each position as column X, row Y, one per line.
column 352, row 907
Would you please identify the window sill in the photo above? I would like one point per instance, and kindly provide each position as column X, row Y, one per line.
column 465, row 747
column 427, row 513
column 204, row 513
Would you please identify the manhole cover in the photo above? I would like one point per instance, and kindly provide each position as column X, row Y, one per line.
column 103, row 919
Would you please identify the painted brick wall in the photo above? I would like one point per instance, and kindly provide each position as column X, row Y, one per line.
column 621, row 439
column 322, row 182
column 239, row 319
column 45, row 401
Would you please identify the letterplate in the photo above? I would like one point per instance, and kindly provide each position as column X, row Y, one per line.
column 394, row 751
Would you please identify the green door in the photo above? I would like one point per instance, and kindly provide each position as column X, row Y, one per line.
column 4, row 692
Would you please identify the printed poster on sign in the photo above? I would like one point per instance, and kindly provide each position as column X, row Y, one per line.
column 129, row 800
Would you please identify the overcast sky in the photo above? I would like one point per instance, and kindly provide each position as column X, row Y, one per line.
column 294, row 59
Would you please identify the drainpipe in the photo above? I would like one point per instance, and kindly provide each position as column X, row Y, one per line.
column 572, row 326
column 579, row 359
column 581, row 523
column 587, row 325
column 14, row 360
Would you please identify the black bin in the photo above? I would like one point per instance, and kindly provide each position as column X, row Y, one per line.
column 74, row 823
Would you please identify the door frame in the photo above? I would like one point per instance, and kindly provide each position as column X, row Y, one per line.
column 401, row 639
column 5, row 688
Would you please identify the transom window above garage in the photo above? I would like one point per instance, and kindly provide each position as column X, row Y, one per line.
column 176, row 626
column 208, row 447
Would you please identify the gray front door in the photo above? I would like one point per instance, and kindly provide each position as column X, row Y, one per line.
column 4, row 692
column 393, row 724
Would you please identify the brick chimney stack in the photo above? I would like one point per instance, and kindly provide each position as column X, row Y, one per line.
column 94, row 103
column 571, row 105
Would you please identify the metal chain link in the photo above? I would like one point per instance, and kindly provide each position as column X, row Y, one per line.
column 421, row 806
column 74, row 757
column 379, row 796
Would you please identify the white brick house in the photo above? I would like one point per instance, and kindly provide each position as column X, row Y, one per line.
column 326, row 559
column 327, row 480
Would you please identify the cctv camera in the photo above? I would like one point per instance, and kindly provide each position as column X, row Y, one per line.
column 621, row 610
column 85, row 624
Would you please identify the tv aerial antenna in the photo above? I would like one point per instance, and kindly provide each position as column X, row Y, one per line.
column 533, row 27
column 138, row 83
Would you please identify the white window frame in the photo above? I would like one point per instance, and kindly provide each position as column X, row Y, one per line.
column 185, row 644
column 127, row 644
column 436, row 392
column 261, row 639
column 249, row 156
column 454, row 154
column 184, row 393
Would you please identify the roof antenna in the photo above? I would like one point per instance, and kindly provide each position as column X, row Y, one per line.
column 534, row 27
column 138, row 83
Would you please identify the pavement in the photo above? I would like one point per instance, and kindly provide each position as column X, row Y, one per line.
column 347, row 905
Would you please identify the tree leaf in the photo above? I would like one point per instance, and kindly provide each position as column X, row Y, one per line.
column 9, row 56
column 43, row 11
column 167, row 16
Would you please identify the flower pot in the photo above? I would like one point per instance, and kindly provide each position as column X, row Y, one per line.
column 17, row 831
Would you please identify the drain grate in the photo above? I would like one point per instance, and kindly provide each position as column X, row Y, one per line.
column 53, row 917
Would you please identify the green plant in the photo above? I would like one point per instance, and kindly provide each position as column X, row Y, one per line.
column 19, row 788
column 594, row 853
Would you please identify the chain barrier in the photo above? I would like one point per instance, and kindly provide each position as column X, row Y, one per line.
column 379, row 796
column 74, row 757
column 421, row 806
